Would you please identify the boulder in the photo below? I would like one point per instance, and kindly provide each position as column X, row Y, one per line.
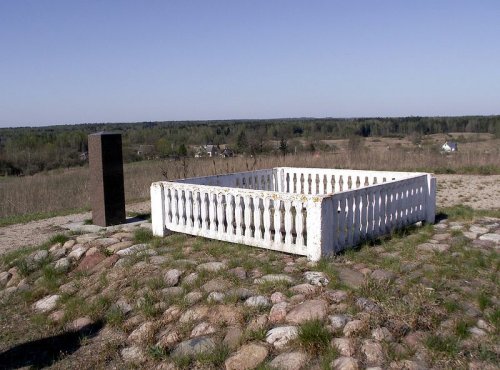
column 280, row 336
column 248, row 356
column 308, row 310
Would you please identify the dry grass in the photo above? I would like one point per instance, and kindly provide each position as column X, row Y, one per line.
column 67, row 189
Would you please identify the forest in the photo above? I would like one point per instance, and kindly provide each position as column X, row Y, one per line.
column 28, row 150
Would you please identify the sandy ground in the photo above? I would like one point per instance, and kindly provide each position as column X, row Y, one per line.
column 479, row 192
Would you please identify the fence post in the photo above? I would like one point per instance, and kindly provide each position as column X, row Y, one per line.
column 158, row 209
column 319, row 227
column 430, row 203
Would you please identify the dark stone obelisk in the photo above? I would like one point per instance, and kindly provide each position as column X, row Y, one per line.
column 107, row 192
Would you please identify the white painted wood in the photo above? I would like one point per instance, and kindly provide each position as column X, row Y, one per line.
column 357, row 205
column 257, row 217
column 157, row 209
column 267, row 220
column 220, row 214
column 299, row 223
column 247, row 217
column 230, row 214
column 277, row 222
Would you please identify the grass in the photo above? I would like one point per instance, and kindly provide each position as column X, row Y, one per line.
column 143, row 235
column 214, row 358
column 443, row 344
column 462, row 329
column 484, row 300
column 314, row 337
column 42, row 215
column 465, row 213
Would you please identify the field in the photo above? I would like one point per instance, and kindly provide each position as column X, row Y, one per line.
column 64, row 190
column 424, row 297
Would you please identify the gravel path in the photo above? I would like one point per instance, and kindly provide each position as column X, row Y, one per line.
column 38, row 232
column 479, row 192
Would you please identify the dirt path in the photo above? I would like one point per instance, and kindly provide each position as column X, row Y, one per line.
column 38, row 232
column 479, row 192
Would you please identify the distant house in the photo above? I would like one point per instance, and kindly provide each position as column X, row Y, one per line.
column 208, row 150
column 450, row 146
column 227, row 153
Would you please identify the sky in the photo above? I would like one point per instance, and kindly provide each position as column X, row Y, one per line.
column 66, row 62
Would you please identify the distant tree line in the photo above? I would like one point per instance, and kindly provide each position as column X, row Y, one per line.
column 30, row 150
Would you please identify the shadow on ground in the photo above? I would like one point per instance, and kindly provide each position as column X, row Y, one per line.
column 46, row 351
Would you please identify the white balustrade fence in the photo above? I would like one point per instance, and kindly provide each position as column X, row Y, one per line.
column 307, row 211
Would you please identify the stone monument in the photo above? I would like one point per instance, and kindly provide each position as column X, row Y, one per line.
column 107, row 191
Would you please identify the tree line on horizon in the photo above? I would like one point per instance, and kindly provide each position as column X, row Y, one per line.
column 28, row 150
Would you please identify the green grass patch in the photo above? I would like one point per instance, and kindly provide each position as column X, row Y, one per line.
column 255, row 335
column 484, row 300
column 444, row 344
column 23, row 219
column 314, row 337
column 465, row 213
column 214, row 358
column 114, row 317
column 462, row 329
column 143, row 235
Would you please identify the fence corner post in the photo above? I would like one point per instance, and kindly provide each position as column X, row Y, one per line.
column 158, row 209
column 430, row 206
column 319, row 223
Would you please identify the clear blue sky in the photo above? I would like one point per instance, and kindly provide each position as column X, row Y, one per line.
column 111, row 61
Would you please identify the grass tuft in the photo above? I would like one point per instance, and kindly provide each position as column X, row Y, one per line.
column 444, row 344
column 314, row 337
column 143, row 235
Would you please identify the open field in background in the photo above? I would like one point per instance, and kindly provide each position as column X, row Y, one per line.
column 63, row 190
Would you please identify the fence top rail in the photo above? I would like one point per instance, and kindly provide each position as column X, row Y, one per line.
column 303, row 169
column 375, row 187
column 232, row 174
column 358, row 172
column 281, row 195
column 275, row 195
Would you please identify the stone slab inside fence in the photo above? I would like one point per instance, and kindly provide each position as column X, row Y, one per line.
column 313, row 212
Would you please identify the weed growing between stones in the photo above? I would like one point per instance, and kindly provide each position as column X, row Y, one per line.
column 314, row 337
column 142, row 235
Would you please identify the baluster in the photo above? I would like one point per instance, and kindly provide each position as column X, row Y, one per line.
column 220, row 214
column 301, row 184
column 212, row 213
column 299, row 223
column 230, row 213
column 288, row 222
column 176, row 206
column 267, row 219
column 196, row 210
column 189, row 209
column 335, row 224
column 257, row 218
column 357, row 218
column 204, row 211
column 371, row 207
column 350, row 218
column 248, row 217
column 238, row 215
column 382, row 211
column 277, row 221
column 342, row 220
column 376, row 212
column 168, row 206
column 364, row 214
